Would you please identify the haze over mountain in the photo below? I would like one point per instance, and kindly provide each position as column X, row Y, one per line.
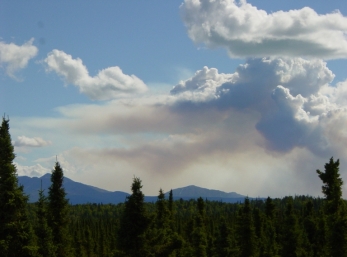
column 79, row 193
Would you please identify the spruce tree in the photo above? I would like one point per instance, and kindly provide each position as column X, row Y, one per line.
column 246, row 231
column 58, row 208
column 43, row 231
column 332, row 187
column 134, row 223
column 199, row 236
column 162, row 239
column 270, row 244
column 335, row 208
column 292, row 235
column 15, row 230
column 225, row 245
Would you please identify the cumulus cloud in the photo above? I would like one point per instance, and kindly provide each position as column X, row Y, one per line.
column 31, row 171
column 108, row 84
column 249, row 32
column 293, row 97
column 14, row 57
column 23, row 141
column 202, row 86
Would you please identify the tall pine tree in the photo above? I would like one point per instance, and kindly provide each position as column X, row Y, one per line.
column 335, row 208
column 246, row 231
column 332, row 187
column 43, row 231
column 15, row 230
column 58, row 212
column 134, row 223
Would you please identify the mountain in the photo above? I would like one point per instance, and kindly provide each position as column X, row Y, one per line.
column 79, row 193
column 196, row 192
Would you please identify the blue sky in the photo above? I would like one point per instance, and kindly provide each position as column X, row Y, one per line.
column 237, row 96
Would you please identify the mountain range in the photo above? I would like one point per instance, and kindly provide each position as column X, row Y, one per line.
column 79, row 193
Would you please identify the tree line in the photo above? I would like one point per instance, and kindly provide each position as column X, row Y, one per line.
column 51, row 227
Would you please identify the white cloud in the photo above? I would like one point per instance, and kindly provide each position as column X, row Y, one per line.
column 23, row 141
column 14, row 57
column 249, row 32
column 31, row 171
column 108, row 84
column 202, row 86
column 292, row 96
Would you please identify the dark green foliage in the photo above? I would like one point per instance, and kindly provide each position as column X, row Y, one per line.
column 332, row 186
column 335, row 208
column 246, row 231
column 270, row 208
column 162, row 239
column 95, row 228
column 338, row 245
column 199, row 236
column 43, row 231
column 225, row 243
column 291, row 235
column 58, row 219
column 134, row 223
column 15, row 230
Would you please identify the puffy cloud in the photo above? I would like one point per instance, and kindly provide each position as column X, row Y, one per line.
column 23, row 141
column 289, row 125
column 108, row 84
column 31, row 171
column 202, row 86
column 14, row 57
column 249, row 32
column 292, row 96
column 253, row 82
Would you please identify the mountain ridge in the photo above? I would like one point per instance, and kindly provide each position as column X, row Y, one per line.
column 79, row 193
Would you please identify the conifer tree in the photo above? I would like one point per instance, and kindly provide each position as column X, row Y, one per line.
column 335, row 208
column 311, row 228
column 171, row 207
column 162, row 239
column 270, row 244
column 42, row 230
column 225, row 245
column 322, row 241
column 15, row 230
column 292, row 236
column 332, row 187
column 199, row 236
column 58, row 212
column 246, row 232
column 134, row 223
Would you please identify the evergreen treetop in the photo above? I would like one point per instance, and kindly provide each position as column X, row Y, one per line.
column 15, row 230
column 58, row 207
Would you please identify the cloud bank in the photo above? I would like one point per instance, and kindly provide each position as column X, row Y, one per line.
column 14, row 57
column 282, row 113
column 108, row 84
column 249, row 32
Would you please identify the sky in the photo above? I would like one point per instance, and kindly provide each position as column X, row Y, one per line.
column 239, row 96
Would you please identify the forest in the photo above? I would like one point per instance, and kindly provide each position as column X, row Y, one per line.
column 51, row 227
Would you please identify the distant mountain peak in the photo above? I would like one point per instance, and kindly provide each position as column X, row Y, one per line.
column 47, row 175
column 196, row 191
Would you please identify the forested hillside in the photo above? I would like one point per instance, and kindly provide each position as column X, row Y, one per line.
column 292, row 226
